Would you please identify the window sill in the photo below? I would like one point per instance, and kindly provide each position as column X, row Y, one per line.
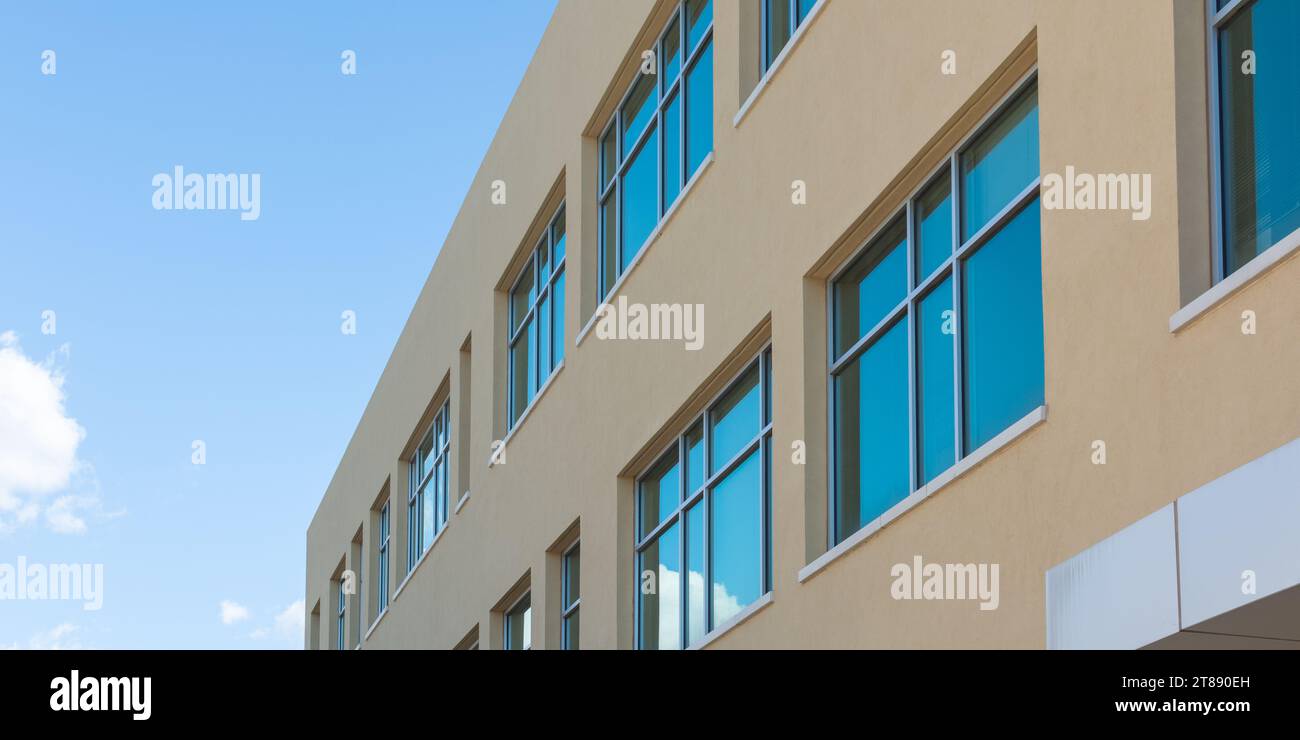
column 418, row 563
column 963, row 466
column 460, row 503
column 505, row 442
column 776, row 63
column 645, row 247
column 1228, row 286
column 370, row 630
column 738, row 619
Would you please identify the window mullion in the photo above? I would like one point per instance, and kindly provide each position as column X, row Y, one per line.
column 685, row 577
column 912, row 411
column 957, row 310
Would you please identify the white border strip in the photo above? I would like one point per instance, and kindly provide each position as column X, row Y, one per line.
column 1225, row 288
column 645, row 247
column 736, row 620
column 537, row 397
column 963, row 466
column 423, row 557
column 776, row 63
column 374, row 624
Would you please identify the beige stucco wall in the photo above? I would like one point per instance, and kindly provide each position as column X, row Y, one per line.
column 860, row 112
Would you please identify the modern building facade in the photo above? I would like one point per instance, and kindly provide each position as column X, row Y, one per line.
column 851, row 324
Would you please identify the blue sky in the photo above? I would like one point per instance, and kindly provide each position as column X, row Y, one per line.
column 183, row 325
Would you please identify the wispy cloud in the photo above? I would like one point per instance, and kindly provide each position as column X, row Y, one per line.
column 291, row 621
column 62, row 637
column 232, row 612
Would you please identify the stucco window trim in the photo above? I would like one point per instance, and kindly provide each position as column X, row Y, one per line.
column 1009, row 435
column 417, row 565
column 460, row 503
column 735, row 621
column 519, row 423
column 371, row 629
column 641, row 252
column 773, row 68
column 1248, row 273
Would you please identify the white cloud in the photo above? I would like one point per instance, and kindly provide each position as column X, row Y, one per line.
column 38, row 442
column 291, row 621
column 232, row 612
column 261, row 633
column 62, row 637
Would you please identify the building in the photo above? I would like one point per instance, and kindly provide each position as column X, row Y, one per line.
column 956, row 303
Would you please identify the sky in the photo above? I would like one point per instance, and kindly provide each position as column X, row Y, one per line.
column 178, row 385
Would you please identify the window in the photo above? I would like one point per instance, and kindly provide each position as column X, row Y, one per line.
column 536, row 344
column 703, row 513
column 656, row 139
column 1255, row 63
column 937, row 324
column 570, row 598
column 780, row 19
column 382, row 566
column 426, row 505
column 341, row 618
column 519, row 625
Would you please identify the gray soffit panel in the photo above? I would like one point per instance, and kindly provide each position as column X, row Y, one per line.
column 1120, row 593
column 1244, row 523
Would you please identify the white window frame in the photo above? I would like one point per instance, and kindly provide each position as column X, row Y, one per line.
column 416, row 491
column 611, row 191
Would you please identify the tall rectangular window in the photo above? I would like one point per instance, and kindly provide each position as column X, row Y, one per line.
column 382, row 560
column 703, row 526
column 426, row 504
column 341, row 618
column 657, row 138
column 519, row 625
column 1256, row 118
column 570, row 597
column 536, row 342
column 781, row 18
column 937, row 324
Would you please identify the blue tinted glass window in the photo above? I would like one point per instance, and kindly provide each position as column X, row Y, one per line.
column 1002, row 322
column 672, row 152
column 720, row 520
column 638, row 111
column 607, row 158
column 661, row 491
column 640, row 201
column 699, row 110
column 1000, row 163
column 557, row 334
column 673, row 110
column 735, row 540
column 872, row 286
column 695, row 608
column 672, row 53
column 557, row 239
column 936, row 334
column 544, row 341
column 608, row 245
column 777, row 19
column 694, row 459
column 805, row 6
column 734, row 421
column 699, row 14
column 660, row 609
column 1260, row 129
column 933, row 227
column 522, row 369
column 871, row 432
